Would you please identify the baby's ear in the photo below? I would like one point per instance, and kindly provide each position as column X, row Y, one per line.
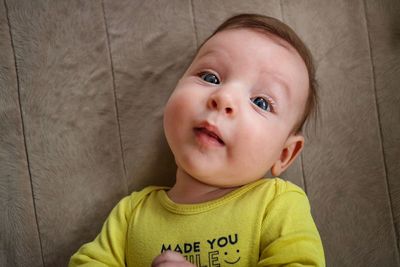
column 293, row 146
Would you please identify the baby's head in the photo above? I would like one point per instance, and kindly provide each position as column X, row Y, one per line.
column 239, row 108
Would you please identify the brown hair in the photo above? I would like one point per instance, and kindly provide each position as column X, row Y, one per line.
column 277, row 28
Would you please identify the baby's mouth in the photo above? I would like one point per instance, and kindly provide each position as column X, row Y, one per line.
column 209, row 133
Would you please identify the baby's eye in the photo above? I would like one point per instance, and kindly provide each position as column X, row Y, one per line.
column 209, row 77
column 262, row 103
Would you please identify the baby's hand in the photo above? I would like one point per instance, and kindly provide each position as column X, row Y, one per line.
column 171, row 259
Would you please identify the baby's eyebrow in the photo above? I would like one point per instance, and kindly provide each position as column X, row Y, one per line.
column 212, row 58
column 277, row 79
column 213, row 52
column 207, row 53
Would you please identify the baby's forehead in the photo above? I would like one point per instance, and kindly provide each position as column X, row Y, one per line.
column 247, row 46
column 225, row 37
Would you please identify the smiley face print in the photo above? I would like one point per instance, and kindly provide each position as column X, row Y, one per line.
column 232, row 259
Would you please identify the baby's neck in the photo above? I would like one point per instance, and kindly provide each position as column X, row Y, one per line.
column 188, row 190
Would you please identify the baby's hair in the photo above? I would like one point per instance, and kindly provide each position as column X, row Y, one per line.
column 272, row 26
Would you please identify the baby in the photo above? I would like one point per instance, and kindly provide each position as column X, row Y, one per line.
column 235, row 114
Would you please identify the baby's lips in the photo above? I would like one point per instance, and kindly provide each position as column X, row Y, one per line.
column 210, row 134
column 211, row 130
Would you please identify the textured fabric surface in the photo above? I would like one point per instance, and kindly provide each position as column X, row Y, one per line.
column 82, row 89
column 19, row 237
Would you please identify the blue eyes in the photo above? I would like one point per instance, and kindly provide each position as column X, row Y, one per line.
column 210, row 78
column 260, row 102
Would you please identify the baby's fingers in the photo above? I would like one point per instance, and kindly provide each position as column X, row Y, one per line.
column 171, row 259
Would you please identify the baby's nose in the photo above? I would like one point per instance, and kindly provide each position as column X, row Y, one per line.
column 222, row 102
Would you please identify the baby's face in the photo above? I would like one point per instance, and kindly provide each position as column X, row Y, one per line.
column 231, row 114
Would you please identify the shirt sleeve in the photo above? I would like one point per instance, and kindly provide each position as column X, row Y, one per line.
column 289, row 236
column 108, row 248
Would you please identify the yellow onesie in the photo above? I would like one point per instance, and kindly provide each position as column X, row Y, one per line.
column 264, row 223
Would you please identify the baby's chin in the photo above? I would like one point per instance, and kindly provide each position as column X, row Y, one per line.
column 218, row 175
column 223, row 181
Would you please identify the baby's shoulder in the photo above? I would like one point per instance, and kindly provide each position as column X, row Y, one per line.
column 137, row 196
column 283, row 186
column 129, row 202
column 278, row 187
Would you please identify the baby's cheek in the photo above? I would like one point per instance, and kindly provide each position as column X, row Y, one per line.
column 177, row 114
column 179, row 102
column 171, row 111
column 255, row 146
